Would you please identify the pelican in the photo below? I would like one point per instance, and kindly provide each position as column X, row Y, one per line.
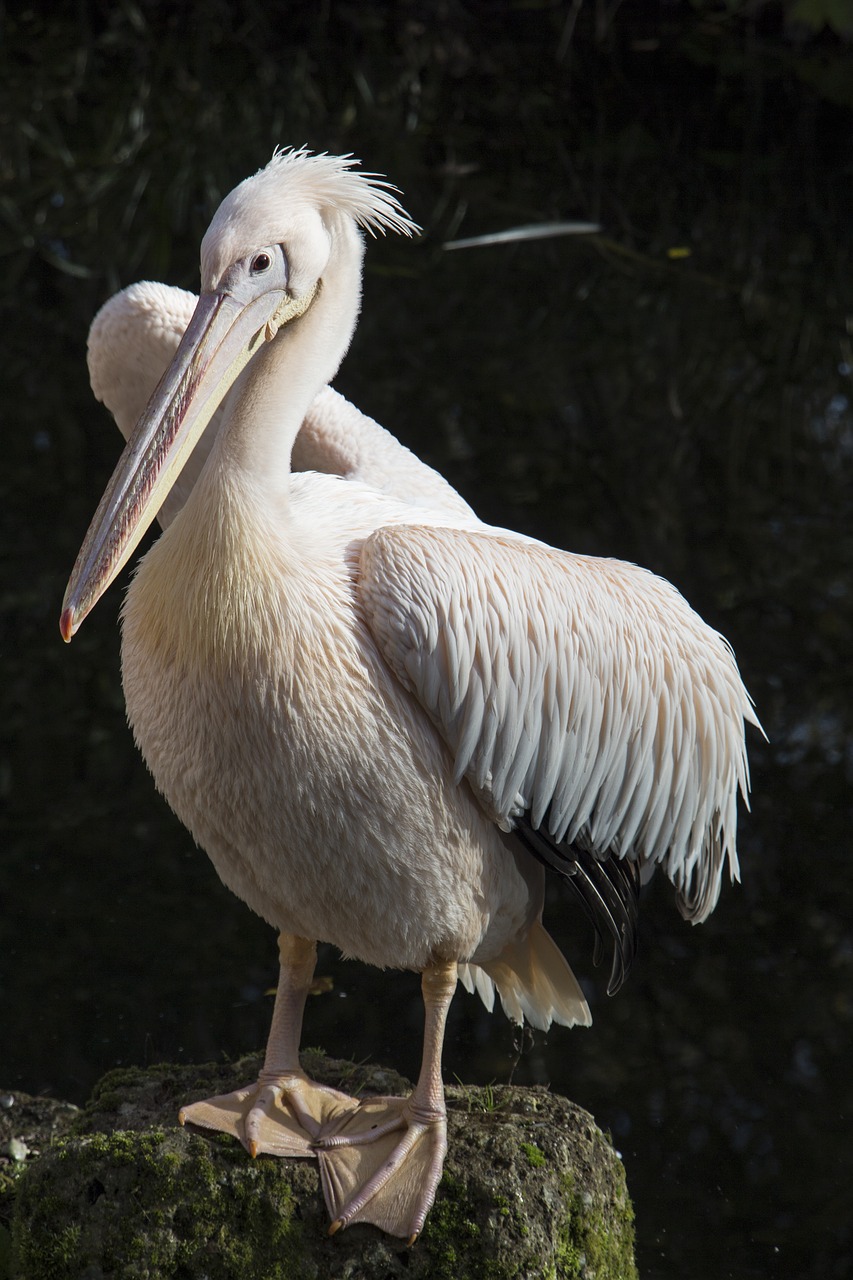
column 380, row 717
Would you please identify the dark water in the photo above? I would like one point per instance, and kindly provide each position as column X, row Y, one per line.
column 675, row 391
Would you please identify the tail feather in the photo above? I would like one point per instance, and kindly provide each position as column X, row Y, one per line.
column 476, row 980
column 534, row 982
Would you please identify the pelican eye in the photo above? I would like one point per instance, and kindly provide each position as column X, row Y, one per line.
column 260, row 263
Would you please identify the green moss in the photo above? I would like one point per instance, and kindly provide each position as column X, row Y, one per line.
column 503, row 1207
column 535, row 1155
column 150, row 1205
column 450, row 1230
column 592, row 1243
column 9, row 1175
column 459, row 1249
column 111, row 1091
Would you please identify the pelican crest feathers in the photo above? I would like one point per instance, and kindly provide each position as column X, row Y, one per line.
column 299, row 182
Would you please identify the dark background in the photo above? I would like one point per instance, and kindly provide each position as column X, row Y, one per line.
column 674, row 391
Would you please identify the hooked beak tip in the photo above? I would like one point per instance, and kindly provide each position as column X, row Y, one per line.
column 67, row 626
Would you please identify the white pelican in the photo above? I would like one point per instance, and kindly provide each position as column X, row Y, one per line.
column 381, row 718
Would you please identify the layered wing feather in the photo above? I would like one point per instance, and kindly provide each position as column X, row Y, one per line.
column 583, row 692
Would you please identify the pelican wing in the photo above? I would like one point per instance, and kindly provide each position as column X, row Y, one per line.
column 582, row 693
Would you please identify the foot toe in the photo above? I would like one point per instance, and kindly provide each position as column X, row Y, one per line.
column 371, row 1172
column 280, row 1117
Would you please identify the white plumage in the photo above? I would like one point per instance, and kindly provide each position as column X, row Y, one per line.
column 378, row 715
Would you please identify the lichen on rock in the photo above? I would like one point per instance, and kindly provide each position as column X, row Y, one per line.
column 531, row 1188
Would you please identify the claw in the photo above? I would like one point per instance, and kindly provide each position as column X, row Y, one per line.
column 282, row 1116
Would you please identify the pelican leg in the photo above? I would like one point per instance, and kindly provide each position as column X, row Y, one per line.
column 283, row 1113
column 385, row 1161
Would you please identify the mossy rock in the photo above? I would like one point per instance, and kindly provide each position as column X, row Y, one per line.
column 531, row 1188
column 28, row 1126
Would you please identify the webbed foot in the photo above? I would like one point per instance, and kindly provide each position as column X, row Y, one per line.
column 383, row 1165
column 282, row 1114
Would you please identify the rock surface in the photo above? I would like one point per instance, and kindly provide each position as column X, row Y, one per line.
column 531, row 1188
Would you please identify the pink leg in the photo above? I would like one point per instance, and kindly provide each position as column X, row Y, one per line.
column 384, row 1163
column 284, row 1113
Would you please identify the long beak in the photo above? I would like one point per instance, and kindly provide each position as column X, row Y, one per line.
column 222, row 337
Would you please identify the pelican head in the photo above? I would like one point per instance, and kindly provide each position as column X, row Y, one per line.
column 264, row 260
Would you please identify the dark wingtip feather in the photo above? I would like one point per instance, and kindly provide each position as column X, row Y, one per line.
column 608, row 890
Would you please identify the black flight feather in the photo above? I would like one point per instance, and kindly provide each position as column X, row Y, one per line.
column 608, row 889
